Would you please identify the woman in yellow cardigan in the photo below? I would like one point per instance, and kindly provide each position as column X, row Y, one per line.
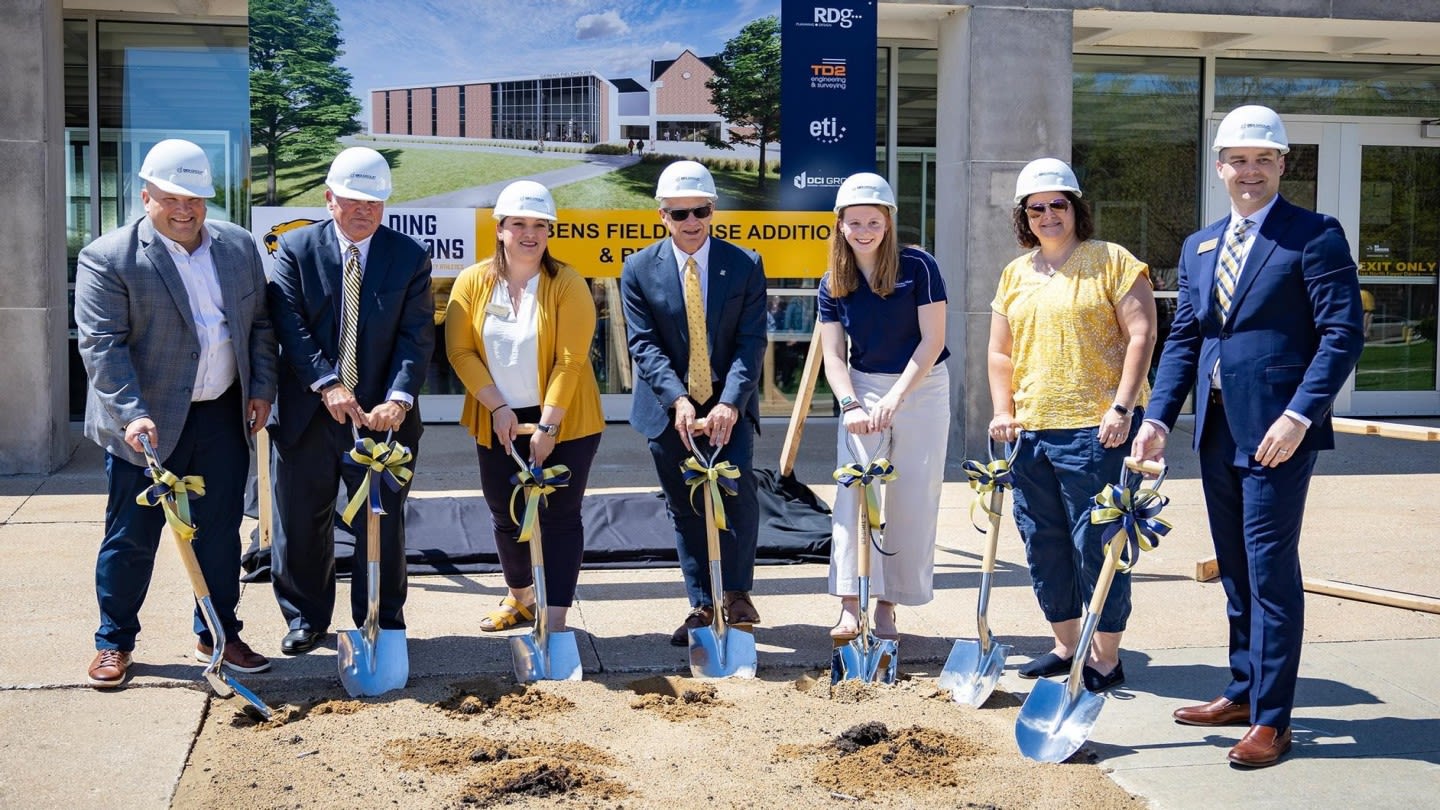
column 517, row 330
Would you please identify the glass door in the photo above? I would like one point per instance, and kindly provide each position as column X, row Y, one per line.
column 1381, row 179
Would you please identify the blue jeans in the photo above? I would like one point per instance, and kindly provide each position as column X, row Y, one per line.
column 1057, row 474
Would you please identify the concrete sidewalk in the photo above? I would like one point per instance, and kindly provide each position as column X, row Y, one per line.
column 1367, row 728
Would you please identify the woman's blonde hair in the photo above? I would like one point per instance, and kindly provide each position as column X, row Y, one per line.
column 845, row 271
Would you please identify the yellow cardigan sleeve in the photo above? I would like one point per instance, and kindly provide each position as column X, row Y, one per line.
column 572, row 315
column 464, row 318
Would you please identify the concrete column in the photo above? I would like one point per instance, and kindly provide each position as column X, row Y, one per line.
column 34, row 413
column 1004, row 90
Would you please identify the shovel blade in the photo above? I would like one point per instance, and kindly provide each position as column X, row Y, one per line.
column 558, row 659
column 869, row 659
column 367, row 671
column 712, row 656
column 971, row 675
column 1052, row 726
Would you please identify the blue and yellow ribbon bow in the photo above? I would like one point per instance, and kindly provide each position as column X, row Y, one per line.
column 986, row 479
column 868, row 476
column 177, row 508
column 536, row 483
column 718, row 479
column 1134, row 511
column 388, row 459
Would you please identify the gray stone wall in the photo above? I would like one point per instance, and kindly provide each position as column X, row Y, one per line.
column 34, row 413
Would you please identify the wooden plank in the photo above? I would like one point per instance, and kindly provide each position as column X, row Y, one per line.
column 1389, row 430
column 1207, row 570
column 814, row 358
column 264, row 490
column 1376, row 596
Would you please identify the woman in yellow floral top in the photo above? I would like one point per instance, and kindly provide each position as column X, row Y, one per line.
column 1071, row 332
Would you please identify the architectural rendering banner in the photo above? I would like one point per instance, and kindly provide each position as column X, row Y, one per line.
column 828, row 93
column 592, row 99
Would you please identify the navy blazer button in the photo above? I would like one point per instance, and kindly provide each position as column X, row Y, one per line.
column 194, row 355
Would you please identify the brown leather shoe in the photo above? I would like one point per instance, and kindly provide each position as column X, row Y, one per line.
column 238, row 657
column 1261, row 747
column 1218, row 712
column 109, row 669
column 739, row 609
column 699, row 617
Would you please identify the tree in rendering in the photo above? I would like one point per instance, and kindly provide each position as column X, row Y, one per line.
column 746, row 88
column 300, row 100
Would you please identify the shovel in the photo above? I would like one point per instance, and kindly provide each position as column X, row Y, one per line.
column 373, row 661
column 716, row 651
column 974, row 667
column 541, row 655
column 177, row 515
column 1057, row 718
column 866, row 657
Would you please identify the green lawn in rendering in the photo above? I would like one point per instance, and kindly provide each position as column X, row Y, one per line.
column 634, row 187
column 1397, row 367
column 416, row 172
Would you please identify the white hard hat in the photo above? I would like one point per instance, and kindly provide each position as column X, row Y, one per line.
column 1252, row 125
column 1045, row 174
column 178, row 167
column 360, row 173
column 685, row 178
column 525, row 198
column 865, row 188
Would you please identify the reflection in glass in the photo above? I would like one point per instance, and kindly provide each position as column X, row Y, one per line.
column 1399, row 253
column 1329, row 88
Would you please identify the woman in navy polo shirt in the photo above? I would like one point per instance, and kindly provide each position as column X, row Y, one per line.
column 890, row 303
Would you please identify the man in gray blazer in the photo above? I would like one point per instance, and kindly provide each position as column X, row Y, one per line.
column 677, row 382
column 177, row 343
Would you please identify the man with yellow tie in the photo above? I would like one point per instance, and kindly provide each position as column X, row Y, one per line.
column 695, row 315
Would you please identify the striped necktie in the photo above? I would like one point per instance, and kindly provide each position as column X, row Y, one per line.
column 699, row 371
column 1227, row 273
column 350, row 319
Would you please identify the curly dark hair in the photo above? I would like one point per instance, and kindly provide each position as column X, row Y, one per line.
column 1084, row 222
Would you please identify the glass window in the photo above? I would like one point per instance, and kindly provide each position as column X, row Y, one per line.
column 1329, row 88
column 153, row 81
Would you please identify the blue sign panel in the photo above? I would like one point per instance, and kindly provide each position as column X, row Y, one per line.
column 827, row 92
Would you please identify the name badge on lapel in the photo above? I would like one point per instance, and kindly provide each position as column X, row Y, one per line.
column 1207, row 246
column 497, row 309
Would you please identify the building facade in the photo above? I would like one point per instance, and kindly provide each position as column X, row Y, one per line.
column 1128, row 90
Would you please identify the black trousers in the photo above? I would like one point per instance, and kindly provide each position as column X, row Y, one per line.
column 308, row 474
column 562, row 532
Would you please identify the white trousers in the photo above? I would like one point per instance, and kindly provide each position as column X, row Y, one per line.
column 910, row 503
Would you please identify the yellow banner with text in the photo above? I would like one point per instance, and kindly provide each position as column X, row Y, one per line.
column 794, row 244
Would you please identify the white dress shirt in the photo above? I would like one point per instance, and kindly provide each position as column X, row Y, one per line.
column 216, row 370
column 512, row 347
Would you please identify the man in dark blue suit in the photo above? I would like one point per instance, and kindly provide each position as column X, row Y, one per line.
column 677, row 383
column 1269, row 323
column 354, row 316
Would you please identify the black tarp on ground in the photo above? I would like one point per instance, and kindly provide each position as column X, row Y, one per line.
column 453, row 535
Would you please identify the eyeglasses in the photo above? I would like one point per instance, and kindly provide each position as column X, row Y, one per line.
column 1037, row 210
column 682, row 214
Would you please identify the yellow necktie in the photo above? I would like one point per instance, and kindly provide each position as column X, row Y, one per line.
column 699, row 373
column 350, row 319
column 1227, row 274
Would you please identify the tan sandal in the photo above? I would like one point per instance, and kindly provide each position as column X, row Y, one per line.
column 509, row 614
column 848, row 627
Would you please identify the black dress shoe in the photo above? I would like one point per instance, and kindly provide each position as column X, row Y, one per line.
column 300, row 640
column 1096, row 682
column 1045, row 666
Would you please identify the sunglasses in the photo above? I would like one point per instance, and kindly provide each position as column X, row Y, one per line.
column 1037, row 210
column 682, row 214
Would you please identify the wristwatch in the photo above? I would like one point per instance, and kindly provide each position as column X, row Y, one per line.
column 848, row 403
column 1120, row 409
column 548, row 430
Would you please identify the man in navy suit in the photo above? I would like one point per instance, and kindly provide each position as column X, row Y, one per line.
column 669, row 399
column 337, row 372
column 1269, row 323
column 177, row 343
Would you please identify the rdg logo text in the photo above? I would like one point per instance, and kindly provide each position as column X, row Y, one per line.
column 832, row 16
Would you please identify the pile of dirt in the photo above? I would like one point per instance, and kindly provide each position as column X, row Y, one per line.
column 611, row 741
column 493, row 699
column 675, row 698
